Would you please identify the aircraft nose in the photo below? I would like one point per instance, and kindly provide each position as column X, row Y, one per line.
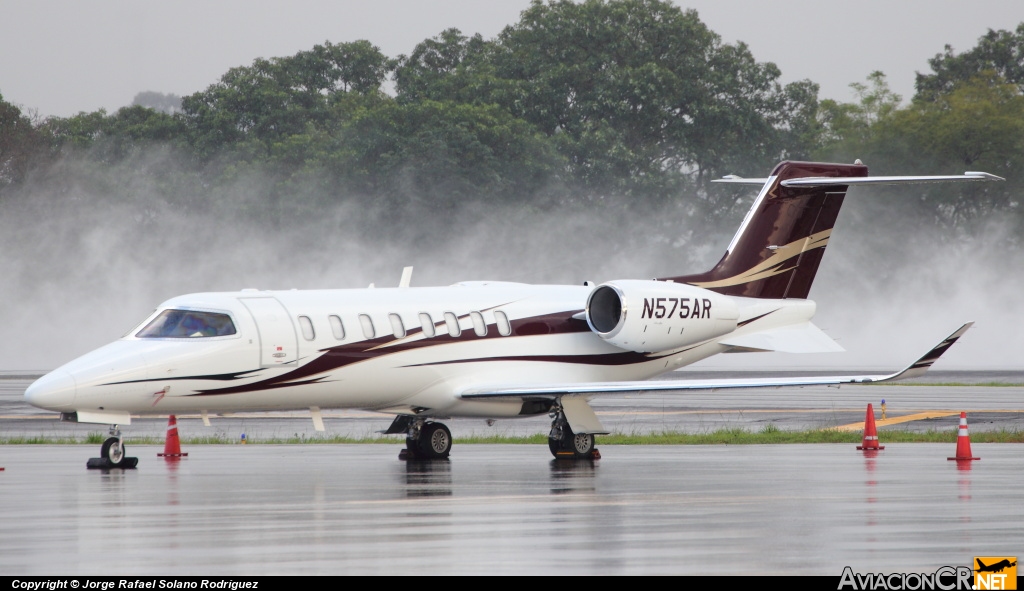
column 54, row 391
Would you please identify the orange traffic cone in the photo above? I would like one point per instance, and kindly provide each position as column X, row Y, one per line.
column 172, row 447
column 963, row 441
column 870, row 435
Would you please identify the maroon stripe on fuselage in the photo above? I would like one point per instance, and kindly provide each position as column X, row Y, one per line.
column 340, row 356
column 754, row 319
column 623, row 358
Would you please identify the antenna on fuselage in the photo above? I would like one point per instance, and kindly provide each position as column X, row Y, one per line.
column 318, row 418
column 406, row 277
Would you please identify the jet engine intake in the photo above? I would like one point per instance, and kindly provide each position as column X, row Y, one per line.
column 648, row 316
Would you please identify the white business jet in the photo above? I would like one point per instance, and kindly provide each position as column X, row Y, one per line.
column 483, row 349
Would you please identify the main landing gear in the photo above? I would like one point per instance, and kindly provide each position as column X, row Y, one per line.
column 426, row 441
column 566, row 445
column 112, row 453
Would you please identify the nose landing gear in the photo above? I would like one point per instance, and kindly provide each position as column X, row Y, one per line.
column 112, row 453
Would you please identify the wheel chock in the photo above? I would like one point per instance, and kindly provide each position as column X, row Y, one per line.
column 408, row 454
column 104, row 464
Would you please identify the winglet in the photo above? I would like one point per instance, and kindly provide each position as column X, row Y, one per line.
column 921, row 366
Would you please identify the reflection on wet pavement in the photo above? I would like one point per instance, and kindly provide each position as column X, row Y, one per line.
column 507, row 509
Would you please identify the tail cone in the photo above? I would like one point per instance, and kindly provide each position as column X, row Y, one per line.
column 870, row 434
column 963, row 442
column 172, row 446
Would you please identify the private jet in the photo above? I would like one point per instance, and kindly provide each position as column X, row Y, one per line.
column 482, row 349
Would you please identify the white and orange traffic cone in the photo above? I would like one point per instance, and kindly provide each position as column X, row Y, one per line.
column 963, row 441
column 172, row 446
column 870, row 434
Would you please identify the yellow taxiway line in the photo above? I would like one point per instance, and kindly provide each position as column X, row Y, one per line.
column 930, row 414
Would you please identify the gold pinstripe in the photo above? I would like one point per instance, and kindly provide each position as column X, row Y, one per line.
column 773, row 265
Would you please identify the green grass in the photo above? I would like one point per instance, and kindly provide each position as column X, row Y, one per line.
column 768, row 434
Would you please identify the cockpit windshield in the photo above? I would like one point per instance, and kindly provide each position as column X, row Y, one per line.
column 183, row 324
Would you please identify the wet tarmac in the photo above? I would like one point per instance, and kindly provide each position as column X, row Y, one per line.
column 509, row 509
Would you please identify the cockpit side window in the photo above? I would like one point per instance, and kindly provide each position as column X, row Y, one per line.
column 184, row 324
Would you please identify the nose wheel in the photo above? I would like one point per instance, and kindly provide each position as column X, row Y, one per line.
column 112, row 453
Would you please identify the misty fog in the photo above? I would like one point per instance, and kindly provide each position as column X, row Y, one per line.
column 90, row 251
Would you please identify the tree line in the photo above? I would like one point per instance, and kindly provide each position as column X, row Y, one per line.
column 632, row 102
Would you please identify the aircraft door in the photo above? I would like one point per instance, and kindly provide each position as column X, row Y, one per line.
column 278, row 345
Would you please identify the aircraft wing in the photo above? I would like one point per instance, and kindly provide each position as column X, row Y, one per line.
column 915, row 369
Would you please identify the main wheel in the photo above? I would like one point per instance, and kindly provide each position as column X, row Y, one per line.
column 435, row 441
column 114, row 452
column 580, row 444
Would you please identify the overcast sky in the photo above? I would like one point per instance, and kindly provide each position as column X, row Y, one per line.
column 62, row 57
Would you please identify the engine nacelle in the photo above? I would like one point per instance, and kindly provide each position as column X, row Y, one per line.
column 648, row 316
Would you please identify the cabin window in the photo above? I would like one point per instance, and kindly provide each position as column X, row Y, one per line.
column 427, row 324
column 307, row 328
column 337, row 327
column 479, row 326
column 504, row 327
column 396, row 325
column 452, row 322
column 367, row 323
column 184, row 324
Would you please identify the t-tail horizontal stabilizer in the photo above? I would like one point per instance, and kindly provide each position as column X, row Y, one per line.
column 913, row 370
column 778, row 248
column 818, row 181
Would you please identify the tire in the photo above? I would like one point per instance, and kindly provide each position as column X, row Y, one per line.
column 113, row 451
column 581, row 445
column 435, row 441
column 555, row 445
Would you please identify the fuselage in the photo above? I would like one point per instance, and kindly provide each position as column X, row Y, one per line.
column 402, row 350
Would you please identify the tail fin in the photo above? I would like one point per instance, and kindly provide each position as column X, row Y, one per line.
column 777, row 249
